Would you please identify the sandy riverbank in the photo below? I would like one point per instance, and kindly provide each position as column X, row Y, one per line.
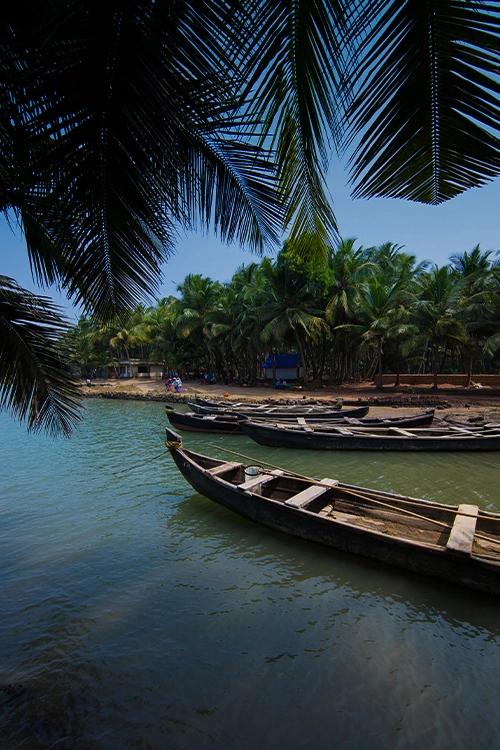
column 451, row 401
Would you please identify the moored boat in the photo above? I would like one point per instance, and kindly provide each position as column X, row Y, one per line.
column 459, row 544
column 222, row 423
column 356, row 438
column 231, row 423
column 335, row 403
column 316, row 412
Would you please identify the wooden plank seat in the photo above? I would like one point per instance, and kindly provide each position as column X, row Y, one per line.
column 222, row 468
column 399, row 431
column 330, row 482
column 302, row 422
column 463, row 430
column 461, row 536
column 302, row 499
column 255, row 482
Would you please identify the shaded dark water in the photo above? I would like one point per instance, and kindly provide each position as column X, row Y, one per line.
column 135, row 614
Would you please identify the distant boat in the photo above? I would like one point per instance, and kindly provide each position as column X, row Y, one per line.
column 231, row 423
column 459, row 544
column 283, row 412
column 331, row 437
column 333, row 403
column 222, row 423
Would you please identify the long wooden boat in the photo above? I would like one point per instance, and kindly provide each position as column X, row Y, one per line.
column 331, row 403
column 356, row 438
column 283, row 412
column 231, row 423
column 459, row 544
column 225, row 423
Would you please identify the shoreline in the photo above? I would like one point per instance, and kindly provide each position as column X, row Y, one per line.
column 448, row 402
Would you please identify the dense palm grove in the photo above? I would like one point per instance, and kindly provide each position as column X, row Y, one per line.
column 360, row 312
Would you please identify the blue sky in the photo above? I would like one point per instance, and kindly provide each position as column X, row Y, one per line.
column 430, row 232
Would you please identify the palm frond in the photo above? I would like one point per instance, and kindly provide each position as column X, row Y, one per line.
column 425, row 117
column 295, row 78
column 36, row 384
column 124, row 122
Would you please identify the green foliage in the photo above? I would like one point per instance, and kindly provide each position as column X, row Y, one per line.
column 364, row 311
column 36, row 382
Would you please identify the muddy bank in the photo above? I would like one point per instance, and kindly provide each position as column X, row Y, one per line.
column 461, row 406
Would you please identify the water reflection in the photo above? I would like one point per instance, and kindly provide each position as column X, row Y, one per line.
column 134, row 613
column 295, row 561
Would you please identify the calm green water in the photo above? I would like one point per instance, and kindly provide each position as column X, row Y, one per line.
column 136, row 614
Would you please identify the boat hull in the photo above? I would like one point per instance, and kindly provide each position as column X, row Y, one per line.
column 282, row 438
column 197, row 423
column 290, row 414
column 471, row 572
column 225, row 424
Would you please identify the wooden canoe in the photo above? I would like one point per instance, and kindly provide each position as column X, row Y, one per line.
column 356, row 438
column 459, row 544
column 283, row 412
column 231, row 423
column 222, row 423
column 335, row 403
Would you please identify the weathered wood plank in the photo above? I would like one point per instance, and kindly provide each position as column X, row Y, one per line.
column 306, row 496
column 302, row 422
column 216, row 470
column 399, row 431
column 255, row 482
column 461, row 536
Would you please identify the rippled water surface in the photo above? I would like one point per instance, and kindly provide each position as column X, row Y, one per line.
column 137, row 614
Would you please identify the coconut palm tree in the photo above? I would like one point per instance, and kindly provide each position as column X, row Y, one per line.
column 87, row 345
column 383, row 315
column 122, row 121
column 289, row 311
column 472, row 264
column 435, row 316
column 199, row 296
column 477, row 306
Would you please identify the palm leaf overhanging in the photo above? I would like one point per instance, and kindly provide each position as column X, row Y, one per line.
column 425, row 116
column 35, row 378
column 121, row 122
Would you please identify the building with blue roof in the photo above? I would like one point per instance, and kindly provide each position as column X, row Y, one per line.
column 286, row 367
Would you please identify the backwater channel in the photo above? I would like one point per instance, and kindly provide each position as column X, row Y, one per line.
column 135, row 613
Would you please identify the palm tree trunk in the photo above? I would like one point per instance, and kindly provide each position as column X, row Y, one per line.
column 302, row 354
column 421, row 368
column 435, row 379
column 380, row 377
column 127, row 357
column 469, row 373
